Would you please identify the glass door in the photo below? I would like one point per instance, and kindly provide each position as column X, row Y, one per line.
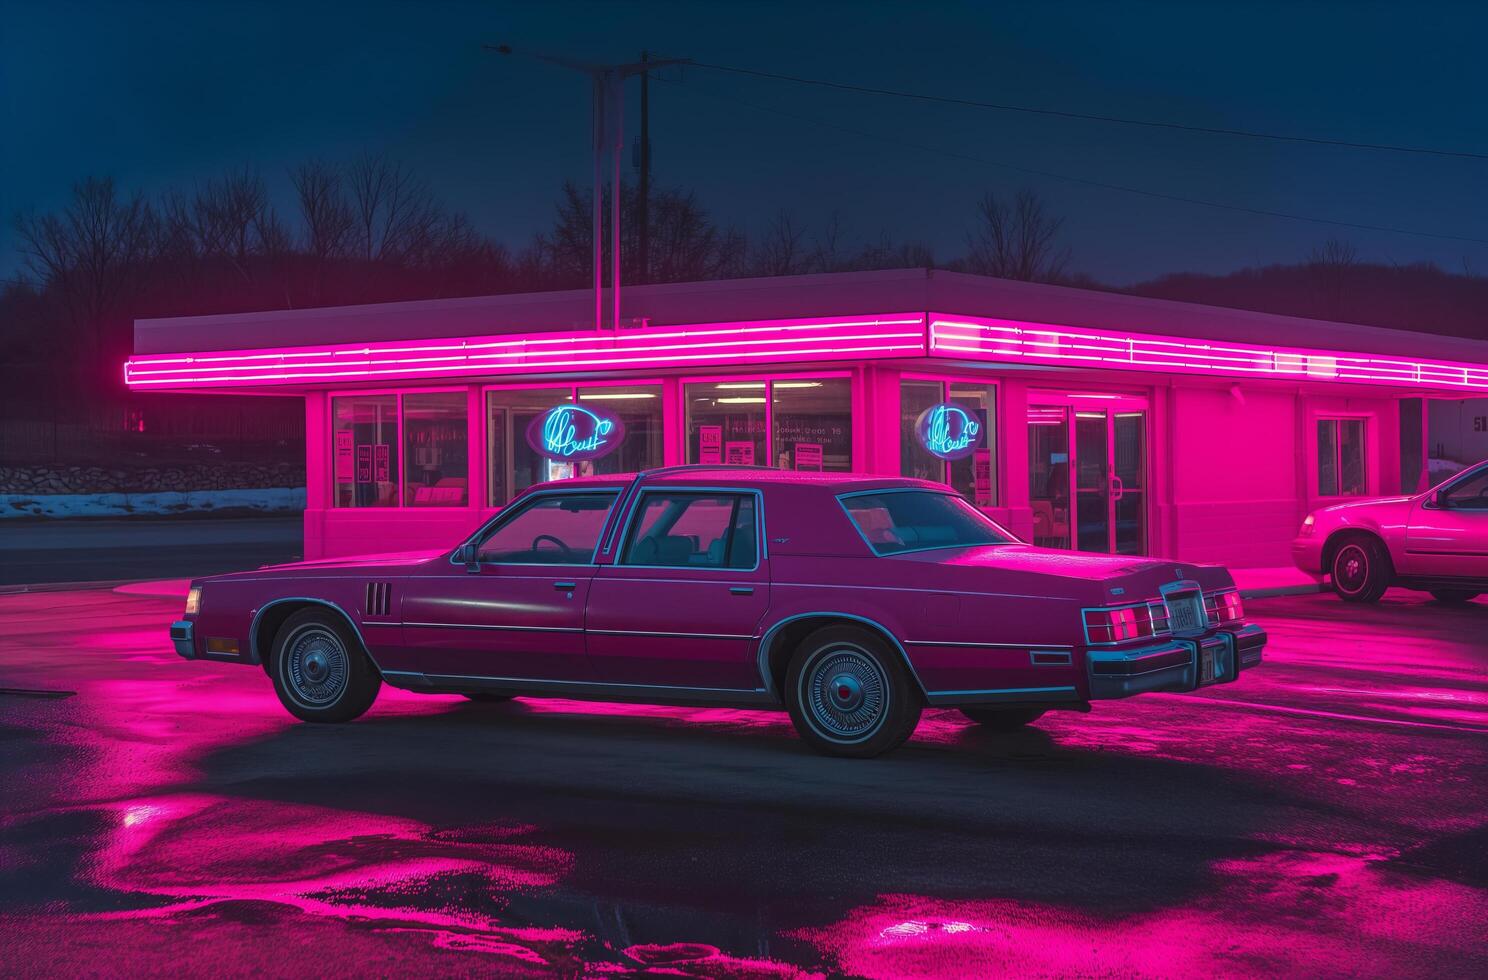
column 1089, row 492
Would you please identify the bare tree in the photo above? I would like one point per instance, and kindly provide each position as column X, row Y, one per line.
column 1334, row 263
column 394, row 211
column 325, row 215
column 228, row 220
column 1016, row 239
column 782, row 250
column 92, row 254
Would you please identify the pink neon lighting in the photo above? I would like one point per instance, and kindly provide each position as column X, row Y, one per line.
column 1012, row 341
column 699, row 344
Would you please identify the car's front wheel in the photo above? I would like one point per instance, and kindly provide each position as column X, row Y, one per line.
column 849, row 694
column 1361, row 570
column 1003, row 719
column 320, row 671
column 1453, row 597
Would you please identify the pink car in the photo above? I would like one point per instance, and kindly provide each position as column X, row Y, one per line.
column 1435, row 541
column 851, row 601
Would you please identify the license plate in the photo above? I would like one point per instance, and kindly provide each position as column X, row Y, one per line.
column 1183, row 615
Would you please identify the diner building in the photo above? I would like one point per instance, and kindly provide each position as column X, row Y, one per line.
column 1078, row 419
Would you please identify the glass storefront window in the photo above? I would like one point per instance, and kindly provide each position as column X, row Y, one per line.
column 726, row 422
column 975, row 476
column 513, row 465
column 364, row 450
column 811, row 425
column 436, row 449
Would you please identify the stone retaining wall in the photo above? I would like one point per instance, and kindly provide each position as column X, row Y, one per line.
column 194, row 476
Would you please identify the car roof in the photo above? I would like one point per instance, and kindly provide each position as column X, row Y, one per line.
column 744, row 476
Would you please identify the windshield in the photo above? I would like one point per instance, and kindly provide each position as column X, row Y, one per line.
column 895, row 521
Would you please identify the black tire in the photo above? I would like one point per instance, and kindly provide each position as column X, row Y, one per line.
column 1003, row 719
column 486, row 697
column 1361, row 570
column 849, row 694
column 319, row 669
column 1454, row 597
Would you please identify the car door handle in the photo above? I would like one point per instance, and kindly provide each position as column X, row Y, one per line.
column 565, row 586
column 742, row 589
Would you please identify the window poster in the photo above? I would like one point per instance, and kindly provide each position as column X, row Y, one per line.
column 710, row 444
column 809, row 456
column 383, row 457
column 739, row 453
column 981, row 474
column 345, row 456
column 364, row 464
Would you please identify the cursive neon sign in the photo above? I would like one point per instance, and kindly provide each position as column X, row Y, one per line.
column 948, row 431
column 574, row 432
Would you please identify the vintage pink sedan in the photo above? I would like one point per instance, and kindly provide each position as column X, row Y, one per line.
column 1435, row 541
column 851, row 601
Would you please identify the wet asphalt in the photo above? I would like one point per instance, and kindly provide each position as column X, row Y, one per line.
column 1326, row 815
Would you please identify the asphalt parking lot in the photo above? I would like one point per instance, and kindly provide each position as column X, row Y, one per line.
column 1325, row 816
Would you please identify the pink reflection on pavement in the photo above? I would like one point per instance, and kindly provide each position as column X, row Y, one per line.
column 1325, row 914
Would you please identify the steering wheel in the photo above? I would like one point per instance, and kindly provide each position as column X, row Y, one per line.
column 567, row 551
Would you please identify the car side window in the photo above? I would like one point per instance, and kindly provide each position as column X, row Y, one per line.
column 1469, row 494
column 693, row 530
column 559, row 529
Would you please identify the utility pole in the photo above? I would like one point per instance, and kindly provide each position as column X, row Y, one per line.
column 609, row 103
column 643, row 183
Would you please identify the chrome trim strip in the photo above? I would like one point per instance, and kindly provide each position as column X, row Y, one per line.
column 768, row 638
column 692, row 636
column 255, row 657
column 1063, row 689
column 494, row 626
column 593, row 684
column 903, row 588
column 1037, row 647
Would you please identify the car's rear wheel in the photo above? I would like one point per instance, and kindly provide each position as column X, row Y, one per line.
column 1360, row 570
column 1003, row 719
column 1453, row 597
column 486, row 697
column 319, row 669
column 849, row 694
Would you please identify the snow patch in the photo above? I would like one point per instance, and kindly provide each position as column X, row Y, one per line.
column 62, row 505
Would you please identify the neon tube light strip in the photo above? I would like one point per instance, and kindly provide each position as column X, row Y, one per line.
column 755, row 341
column 1011, row 341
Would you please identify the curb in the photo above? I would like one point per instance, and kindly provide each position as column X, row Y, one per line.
column 1282, row 590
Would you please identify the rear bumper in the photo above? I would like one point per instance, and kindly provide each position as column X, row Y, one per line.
column 182, row 633
column 1173, row 665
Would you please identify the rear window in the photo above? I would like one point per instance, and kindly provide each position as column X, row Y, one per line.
column 918, row 520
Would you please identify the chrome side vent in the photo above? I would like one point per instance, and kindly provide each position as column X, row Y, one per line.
column 378, row 601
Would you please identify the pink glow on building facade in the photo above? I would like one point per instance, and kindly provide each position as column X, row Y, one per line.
column 1094, row 421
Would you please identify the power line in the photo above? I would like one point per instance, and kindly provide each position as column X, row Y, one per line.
column 1093, row 117
column 1089, row 182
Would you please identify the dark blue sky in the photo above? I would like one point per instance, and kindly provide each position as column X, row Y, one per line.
column 161, row 94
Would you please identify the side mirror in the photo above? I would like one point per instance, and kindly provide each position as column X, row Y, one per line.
column 1440, row 499
column 466, row 555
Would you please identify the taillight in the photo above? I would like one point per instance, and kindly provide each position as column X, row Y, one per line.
column 1119, row 624
column 1224, row 607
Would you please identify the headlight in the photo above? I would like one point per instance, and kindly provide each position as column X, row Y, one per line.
column 193, row 601
column 1307, row 523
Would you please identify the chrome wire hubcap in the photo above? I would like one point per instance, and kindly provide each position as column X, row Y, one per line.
column 317, row 666
column 846, row 693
